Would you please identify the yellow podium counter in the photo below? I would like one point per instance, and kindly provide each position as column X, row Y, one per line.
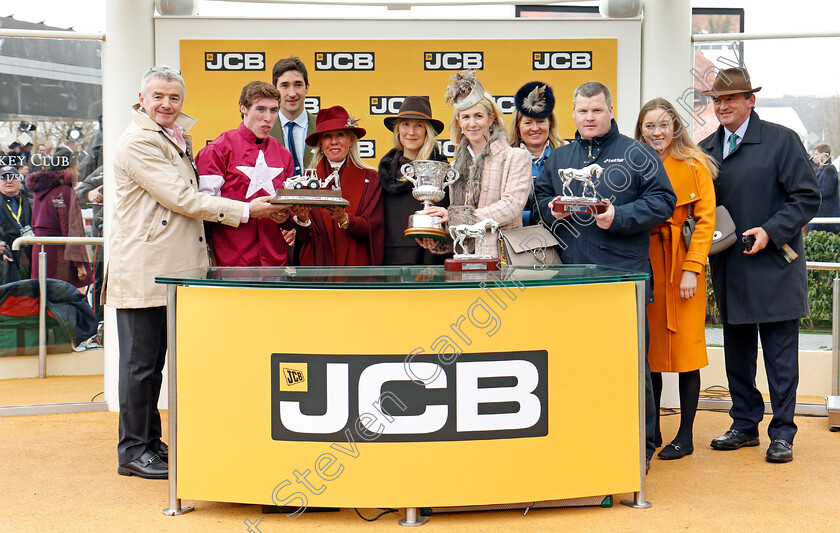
column 406, row 387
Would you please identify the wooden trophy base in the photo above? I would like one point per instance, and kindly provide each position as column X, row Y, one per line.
column 570, row 204
column 473, row 264
column 314, row 197
column 433, row 233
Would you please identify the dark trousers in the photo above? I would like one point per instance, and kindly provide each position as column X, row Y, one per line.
column 142, row 334
column 780, row 342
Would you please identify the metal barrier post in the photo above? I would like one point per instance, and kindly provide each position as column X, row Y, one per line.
column 42, row 286
column 42, row 313
column 835, row 337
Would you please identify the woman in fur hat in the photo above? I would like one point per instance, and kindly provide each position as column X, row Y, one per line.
column 494, row 178
column 342, row 236
column 534, row 128
column 56, row 213
column 414, row 140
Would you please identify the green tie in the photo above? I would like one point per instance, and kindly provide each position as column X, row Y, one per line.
column 733, row 142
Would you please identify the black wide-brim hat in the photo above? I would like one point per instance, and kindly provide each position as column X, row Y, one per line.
column 417, row 108
column 535, row 99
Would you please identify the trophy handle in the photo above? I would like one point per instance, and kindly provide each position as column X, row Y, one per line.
column 407, row 171
column 451, row 177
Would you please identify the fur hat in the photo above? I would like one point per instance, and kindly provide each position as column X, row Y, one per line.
column 535, row 99
column 464, row 90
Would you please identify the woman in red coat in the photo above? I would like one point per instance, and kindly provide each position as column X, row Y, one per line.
column 342, row 236
column 56, row 213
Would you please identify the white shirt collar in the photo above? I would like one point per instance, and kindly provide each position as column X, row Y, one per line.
column 302, row 120
column 740, row 132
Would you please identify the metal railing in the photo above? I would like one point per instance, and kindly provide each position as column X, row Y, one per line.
column 42, row 286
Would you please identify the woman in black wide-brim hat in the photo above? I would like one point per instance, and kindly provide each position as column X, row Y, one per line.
column 414, row 140
column 342, row 236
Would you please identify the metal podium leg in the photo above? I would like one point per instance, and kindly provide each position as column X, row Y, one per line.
column 411, row 519
column 638, row 500
column 175, row 507
column 42, row 313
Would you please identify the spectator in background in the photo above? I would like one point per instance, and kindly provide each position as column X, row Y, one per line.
column 90, row 195
column 93, row 159
column 827, row 178
column 15, row 221
column 40, row 160
column 56, row 213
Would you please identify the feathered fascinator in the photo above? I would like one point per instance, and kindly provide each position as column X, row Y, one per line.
column 535, row 99
column 464, row 90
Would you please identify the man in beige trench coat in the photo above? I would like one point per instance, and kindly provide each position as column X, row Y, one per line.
column 157, row 228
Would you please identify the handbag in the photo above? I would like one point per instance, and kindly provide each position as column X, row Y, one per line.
column 529, row 246
column 724, row 235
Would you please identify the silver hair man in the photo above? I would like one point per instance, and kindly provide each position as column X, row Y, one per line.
column 163, row 72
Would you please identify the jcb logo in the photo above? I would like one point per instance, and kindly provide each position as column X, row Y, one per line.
column 453, row 60
column 506, row 104
column 447, row 148
column 293, row 376
column 312, row 104
column 224, row 61
column 389, row 398
column 385, row 105
column 367, row 148
column 562, row 61
column 344, row 61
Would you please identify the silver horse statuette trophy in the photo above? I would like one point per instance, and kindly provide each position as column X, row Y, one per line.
column 307, row 189
column 479, row 260
column 569, row 203
column 430, row 180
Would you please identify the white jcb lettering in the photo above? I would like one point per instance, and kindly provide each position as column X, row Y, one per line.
column 470, row 395
column 370, row 389
column 335, row 417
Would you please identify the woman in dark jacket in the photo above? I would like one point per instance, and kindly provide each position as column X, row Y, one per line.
column 414, row 140
column 56, row 213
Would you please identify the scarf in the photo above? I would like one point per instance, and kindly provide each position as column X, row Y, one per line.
column 466, row 190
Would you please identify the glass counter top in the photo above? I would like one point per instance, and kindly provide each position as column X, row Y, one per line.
column 395, row 277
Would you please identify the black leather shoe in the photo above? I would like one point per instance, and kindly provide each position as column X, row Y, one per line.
column 734, row 439
column 780, row 451
column 148, row 466
column 675, row 451
column 161, row 450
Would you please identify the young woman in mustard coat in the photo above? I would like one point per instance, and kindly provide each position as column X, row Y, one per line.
column 678, row 314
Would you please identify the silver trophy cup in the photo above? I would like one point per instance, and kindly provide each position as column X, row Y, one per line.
column 430, row 180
